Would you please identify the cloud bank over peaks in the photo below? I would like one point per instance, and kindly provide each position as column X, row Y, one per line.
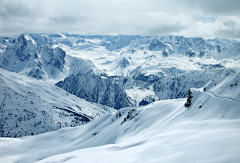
column 212, row 18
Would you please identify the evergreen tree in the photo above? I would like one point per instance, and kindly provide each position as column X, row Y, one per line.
column 189, row 100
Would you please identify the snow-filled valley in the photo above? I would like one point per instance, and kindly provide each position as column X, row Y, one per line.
column 75, row 98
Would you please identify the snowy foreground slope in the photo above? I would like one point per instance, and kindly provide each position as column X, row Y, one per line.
column 164, row 131
column 29, row 106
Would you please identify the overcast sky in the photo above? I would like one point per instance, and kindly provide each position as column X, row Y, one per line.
column 194, row 18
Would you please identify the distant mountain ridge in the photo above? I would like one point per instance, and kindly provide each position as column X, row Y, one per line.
column 130, row 63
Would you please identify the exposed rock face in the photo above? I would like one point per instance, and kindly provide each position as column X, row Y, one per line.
column 123, row 63
column 157, row 45
column 148, row 100
column 165, row 53
column 190, row 53
column 97, row 89
column 34, row 58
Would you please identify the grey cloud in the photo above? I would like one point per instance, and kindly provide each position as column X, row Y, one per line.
column 15, row 9
column 214, row 6
column 165, row 30
column 152, row 17
column 227, row 34
column 67, row 19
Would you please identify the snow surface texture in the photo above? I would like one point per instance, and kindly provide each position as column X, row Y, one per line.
column 30, row 107
column 164, row 131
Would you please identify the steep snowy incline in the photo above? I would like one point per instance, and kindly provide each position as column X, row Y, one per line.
column 29, row 107
column 164, row 131
column 226, row 88
column 178, row 86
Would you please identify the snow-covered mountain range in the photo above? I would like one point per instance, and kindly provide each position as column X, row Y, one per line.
column 108, row 71
column 133, row 65
column 207, row 130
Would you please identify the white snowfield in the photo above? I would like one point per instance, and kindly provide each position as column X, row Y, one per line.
column 164, row 131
